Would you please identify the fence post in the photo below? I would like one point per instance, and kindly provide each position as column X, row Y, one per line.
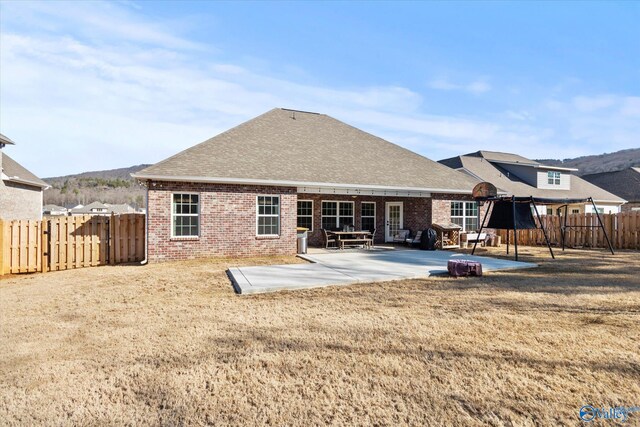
column 112, row 239
column 3, row 250
column 44, row 246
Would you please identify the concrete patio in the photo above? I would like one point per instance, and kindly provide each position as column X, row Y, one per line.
column 327, row 268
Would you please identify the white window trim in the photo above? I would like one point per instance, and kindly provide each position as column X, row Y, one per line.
column 270, row 215
column 464, row 215
column 555, row 179
column 337, row 215
column 173, row 215
column 306, row 216
column 375, row 213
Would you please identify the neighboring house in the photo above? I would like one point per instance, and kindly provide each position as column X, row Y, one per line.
column 93, row 208
column 623, row 183
column 244, row 191
column 54, row 210
column 98, row 208
column 20, row 190
column 519, row 176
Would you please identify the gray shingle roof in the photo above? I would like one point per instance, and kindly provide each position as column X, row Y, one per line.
column 17, row 173
column 511, row 184
column 285, row 146
column 624, row 183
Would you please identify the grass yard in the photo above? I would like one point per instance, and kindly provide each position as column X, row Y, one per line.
column 171, row 344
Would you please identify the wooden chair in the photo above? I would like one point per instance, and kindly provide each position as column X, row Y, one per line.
column 371, row 238
column 329, row 239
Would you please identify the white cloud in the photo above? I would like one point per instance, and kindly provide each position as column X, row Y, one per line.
column 476, row 87
column 593, row 103
column 75, row 98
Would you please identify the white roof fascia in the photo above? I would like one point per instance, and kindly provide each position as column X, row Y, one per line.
column 280, row 183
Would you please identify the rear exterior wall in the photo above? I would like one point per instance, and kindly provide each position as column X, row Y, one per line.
column 227, row 222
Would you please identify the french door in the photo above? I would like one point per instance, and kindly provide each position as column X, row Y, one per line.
column 393, row 220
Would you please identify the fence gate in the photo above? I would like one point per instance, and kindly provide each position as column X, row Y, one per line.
column 62, row 243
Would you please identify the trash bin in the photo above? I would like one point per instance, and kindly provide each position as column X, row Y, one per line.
column 302, row 240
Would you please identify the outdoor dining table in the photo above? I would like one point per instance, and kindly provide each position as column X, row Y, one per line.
column 344, row 236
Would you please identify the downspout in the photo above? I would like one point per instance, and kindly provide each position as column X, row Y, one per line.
column 146, row 231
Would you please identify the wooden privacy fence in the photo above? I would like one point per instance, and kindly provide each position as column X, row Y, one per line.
column 622, row 228
column 62, row 243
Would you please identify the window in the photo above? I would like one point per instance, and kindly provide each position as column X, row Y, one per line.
column 305, row 214
column 185, row 215
column 336, row 214
column 268, row 218
column 368, row 216
column 465, row 214
column 553, row 178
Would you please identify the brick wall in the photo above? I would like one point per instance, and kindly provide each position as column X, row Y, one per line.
column 442, row 207
column 227, row 222
column 18, row 201
column 417, row 213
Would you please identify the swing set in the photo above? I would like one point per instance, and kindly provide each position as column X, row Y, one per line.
column 516, row 213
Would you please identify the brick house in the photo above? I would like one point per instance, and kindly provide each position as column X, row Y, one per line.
column 245, row 191
column 21, row 192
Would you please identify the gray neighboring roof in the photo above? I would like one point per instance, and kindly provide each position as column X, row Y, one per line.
column 511, row 184
column 121, row 209
column 15, row 172
column 499, row 157
column 5, row 140
column 53, row 208
column 624, row 183
column 285, row 147
column 87, row 209
column 115, row 209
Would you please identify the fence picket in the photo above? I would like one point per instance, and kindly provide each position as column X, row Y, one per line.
column 60, row 243
column 623, row 230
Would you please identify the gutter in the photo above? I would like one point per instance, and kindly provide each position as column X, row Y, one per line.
column 282, row 183
column 27, row 182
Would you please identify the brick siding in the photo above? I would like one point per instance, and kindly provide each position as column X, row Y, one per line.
column 227, row 222
column 228, row 219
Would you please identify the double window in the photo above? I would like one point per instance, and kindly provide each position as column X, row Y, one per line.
column 305, row 214
column 185, row 215
column 465, row 214
column 368, row 216
column 553, row 178
column 268, row 216
column 335, row 215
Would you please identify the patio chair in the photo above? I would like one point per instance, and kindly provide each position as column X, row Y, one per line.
column 371, row 238
column 401, row 236
column 328, row 239
column 415, row 240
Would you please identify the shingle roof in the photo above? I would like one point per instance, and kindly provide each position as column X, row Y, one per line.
column 624, row 183
column 511, row 184
column 5, row 140
column 17, row 173
column 497, row 156
column 285, row 146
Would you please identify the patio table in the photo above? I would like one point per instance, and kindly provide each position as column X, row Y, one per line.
column 343, row 237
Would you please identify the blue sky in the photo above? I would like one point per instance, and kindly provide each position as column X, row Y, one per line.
column 93, row 85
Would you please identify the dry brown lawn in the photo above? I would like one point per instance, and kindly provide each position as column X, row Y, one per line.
column 171, row 344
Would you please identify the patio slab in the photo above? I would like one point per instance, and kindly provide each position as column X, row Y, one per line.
column 344, row 268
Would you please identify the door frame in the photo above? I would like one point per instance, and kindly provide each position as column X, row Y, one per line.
column 387, row 237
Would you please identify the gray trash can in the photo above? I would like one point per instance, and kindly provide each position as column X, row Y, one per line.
column 302, row 240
